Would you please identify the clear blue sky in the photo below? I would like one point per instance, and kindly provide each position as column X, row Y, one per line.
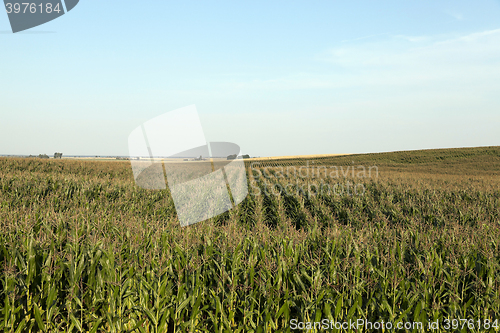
column 275, row 77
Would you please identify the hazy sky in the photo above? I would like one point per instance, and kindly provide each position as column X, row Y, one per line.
column 275, row 77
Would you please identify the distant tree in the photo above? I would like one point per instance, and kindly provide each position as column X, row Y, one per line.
column 43, row 156
column 232, row 157
column 58, row 155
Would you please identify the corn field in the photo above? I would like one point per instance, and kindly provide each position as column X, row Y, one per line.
column 83, row 249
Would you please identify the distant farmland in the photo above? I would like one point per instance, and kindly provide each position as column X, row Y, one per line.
column 402, row 237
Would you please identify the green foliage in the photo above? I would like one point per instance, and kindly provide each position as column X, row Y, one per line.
column 84, row 249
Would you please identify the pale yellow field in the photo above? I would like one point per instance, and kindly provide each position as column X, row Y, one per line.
column 180, row 160
column 293, row 156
